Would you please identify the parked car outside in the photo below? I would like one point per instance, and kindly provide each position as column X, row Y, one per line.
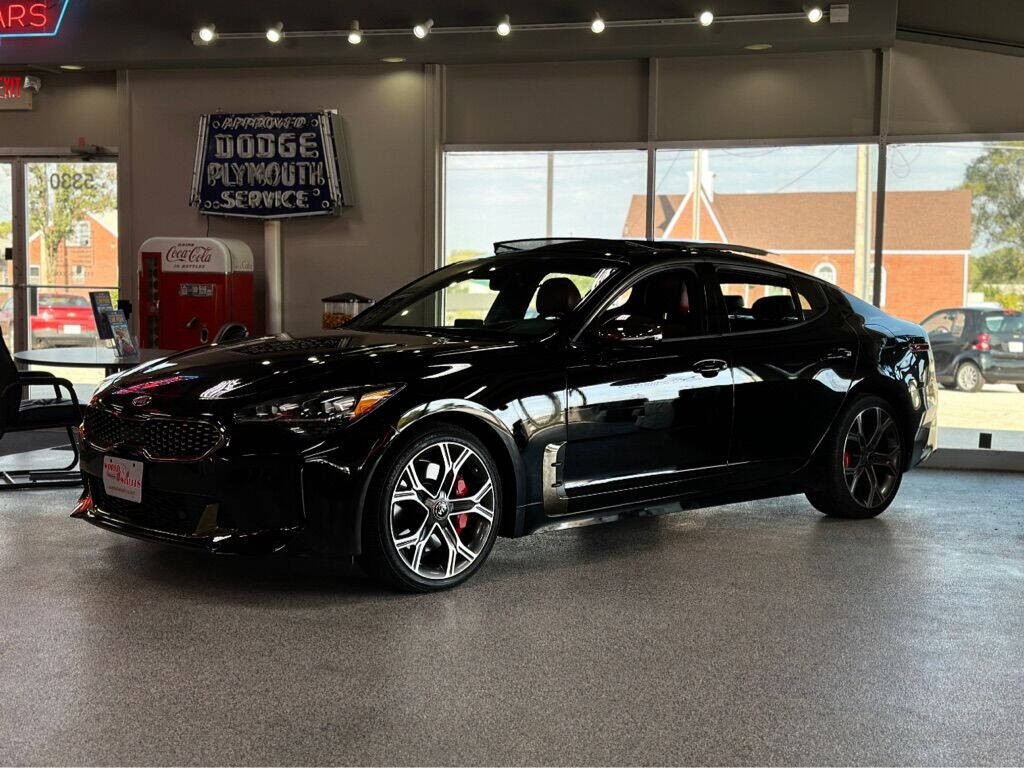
column 974, row 346
column 62, row 320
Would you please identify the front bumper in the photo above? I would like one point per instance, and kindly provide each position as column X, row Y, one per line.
column 231, row 503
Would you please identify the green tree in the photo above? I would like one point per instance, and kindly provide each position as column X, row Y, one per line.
column 996, row 181
column 5, row 230
column 59, row 195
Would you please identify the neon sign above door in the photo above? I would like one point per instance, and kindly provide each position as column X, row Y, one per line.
column 31, row 18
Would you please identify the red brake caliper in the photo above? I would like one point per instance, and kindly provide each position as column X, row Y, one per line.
column 461, row 489
column 847, row 461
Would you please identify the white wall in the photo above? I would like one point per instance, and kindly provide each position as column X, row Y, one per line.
column 371, row 248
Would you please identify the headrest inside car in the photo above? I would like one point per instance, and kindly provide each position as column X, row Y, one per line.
column 774, row 308
column 733, row 304
column 557, row 297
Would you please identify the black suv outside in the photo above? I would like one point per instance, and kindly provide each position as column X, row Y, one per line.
column 974, row 347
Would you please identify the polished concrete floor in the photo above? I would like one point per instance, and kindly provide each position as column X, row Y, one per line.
column 747, row 634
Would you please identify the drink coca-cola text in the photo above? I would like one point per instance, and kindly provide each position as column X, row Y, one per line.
column 189, row 253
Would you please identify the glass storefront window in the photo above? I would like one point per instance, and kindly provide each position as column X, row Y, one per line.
column 491, row 196
column 812, row 206
column 954, row 258
column 72, row 249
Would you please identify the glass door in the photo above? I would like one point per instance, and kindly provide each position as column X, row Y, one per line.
column 71, row 249
column 7, row 253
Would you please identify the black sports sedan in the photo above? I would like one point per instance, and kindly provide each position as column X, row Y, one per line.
column 555, row 383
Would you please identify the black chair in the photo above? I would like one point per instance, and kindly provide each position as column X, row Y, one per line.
column 19, row 415
column 231, row 331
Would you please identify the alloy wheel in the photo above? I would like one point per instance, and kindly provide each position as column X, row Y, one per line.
column 442, row 510
column 871, row 457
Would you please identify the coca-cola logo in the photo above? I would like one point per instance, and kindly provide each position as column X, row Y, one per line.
column 189, row 253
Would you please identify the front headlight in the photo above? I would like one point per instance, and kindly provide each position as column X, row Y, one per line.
column 333, row 406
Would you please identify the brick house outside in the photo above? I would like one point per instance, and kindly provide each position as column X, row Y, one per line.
column 926, row 246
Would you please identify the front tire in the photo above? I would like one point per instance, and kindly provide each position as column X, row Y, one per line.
column 862, row 462
column 431, row 521
column 1020, row 387
column 969, row 378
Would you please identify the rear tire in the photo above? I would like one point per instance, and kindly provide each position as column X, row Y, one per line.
column 861, row 462
column 1020, row 387
column 969, row 378
column 432, row 517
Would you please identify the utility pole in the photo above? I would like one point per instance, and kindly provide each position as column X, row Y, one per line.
column 698, row 176
column 862, row 225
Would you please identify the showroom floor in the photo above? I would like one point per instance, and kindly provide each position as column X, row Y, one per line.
column 755, row 633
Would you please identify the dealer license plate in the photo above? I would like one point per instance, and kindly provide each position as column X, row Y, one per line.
column 1017, row 346
column 122, row 478
column 72, row 329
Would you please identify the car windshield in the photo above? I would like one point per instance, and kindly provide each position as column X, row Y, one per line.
column 515, row 295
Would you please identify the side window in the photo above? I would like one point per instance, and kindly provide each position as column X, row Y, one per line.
column 757, row 301
column 957, row 322
column 937, row 323
column 665, row 305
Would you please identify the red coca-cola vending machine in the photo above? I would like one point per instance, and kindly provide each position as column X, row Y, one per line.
column 190, row 287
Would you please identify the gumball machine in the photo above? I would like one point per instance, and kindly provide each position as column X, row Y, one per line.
column 341, row 308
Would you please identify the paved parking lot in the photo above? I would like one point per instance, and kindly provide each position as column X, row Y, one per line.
column 996, row 406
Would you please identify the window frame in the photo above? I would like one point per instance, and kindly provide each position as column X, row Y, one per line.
column 698, row 267
column 715, row 289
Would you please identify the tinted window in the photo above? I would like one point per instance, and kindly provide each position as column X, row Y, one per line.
column 667, row 304
column 755, row 301
column 1004, row 322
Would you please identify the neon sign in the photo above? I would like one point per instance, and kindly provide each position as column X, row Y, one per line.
column 31, row 18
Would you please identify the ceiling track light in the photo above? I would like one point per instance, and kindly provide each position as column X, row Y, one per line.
column 595, row 25
column 205, row 35
column 422, row 29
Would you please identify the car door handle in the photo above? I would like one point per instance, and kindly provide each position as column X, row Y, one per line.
column 710, row 368
column 842, row 353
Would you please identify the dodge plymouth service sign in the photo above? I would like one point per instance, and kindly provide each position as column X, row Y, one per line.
column 267, row 165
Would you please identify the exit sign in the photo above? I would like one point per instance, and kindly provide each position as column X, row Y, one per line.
column 13, row 93
column 31, row 18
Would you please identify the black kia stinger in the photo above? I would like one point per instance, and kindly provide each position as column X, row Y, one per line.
column 554, row 383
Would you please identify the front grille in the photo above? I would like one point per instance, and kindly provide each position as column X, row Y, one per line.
column 159, row 438
column 177, row 513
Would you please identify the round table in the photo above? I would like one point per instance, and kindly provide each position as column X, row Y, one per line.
column 89, row 357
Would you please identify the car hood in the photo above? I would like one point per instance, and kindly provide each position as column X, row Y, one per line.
column 257, row 369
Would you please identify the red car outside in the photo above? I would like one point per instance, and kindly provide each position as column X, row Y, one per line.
column 62, row 320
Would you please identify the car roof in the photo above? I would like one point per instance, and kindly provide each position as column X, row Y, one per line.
column 633, row 252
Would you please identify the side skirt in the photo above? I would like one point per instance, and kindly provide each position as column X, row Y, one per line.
column 536, row 520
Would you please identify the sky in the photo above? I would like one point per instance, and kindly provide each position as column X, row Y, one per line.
column 494, row 196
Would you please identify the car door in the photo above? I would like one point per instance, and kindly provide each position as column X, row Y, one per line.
column 649, row 396
column 945, row 345
column 792, row 357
